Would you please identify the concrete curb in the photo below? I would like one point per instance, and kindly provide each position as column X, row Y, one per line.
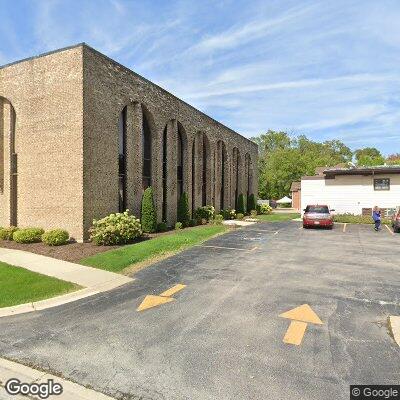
column 71, row 390
column 394, row 326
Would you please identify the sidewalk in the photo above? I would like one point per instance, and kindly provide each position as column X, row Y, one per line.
column 92, row 279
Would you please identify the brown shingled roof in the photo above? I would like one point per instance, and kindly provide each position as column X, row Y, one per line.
column 296, row 186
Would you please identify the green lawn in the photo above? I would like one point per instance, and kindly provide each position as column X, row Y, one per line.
column 161, row 246
column 19, row 286
column 278, row 217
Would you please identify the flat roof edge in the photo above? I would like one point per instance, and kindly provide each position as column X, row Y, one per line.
column 48, row 53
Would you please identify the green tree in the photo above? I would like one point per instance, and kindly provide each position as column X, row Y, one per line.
column 369, row 156
column 251, row 202
column 148, row 214
column 241, row 206
column 284, row 159
column 183, row 210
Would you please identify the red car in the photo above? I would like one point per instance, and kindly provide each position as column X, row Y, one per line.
column 396, row 220
column 317, row 215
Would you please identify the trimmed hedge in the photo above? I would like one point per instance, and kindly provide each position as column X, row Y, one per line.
column 7, row 233
column 55, row 237
column 183, row 210
column 148, row 214
column 28, row 235
column 358, row 219
column 251, row 203
column 241, row 204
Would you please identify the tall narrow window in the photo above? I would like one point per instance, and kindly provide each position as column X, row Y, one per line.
column 179, row 168
column 223, row 162
column 164, row 176
column 236, row 160
column 248, row 174
column 146, row 146
column 193, row 175
column 122, row 161
column 204, row 188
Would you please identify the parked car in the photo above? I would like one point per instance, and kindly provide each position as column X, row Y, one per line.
column 318, row 215
column 396, row 220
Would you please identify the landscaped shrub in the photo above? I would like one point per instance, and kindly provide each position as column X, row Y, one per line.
column 7, row 233
column 241, row 204
column 162, row 227
column 251, row 202
column 264, row 209
column 357, row 219
column 192, row 222
column 178, row 225
column 149, row 216
column 28, row 235
column 183, row 210
column 229, row 213
column 119, row 228
column 55, row 237
column 253, row 213
column 205, row 212
column 239, row 216
column 217, row 220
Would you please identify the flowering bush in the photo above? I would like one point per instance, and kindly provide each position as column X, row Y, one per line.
column 205, row 212
column 264, row 209
column 229, row 213
column 118, row 228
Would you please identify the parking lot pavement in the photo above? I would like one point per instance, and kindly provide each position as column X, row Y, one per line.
column 221, row 336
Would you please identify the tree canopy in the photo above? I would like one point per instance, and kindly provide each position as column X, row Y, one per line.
column 285, row 158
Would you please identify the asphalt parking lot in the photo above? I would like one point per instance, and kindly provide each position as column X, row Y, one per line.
column 222, row 336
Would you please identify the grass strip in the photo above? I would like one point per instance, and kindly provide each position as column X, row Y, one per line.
column 119, row 259
column 277, row 217
column 19, row 286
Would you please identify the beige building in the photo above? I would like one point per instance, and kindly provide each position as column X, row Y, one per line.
column 82, row 136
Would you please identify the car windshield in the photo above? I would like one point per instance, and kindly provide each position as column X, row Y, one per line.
column 317, row 209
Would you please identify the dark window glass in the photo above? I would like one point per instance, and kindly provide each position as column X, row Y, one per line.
column 179, row 169
column 193, row 175
column 223, row 161
column 382, row 184
column 146, row 143
column 164, row 175
column 317, row 209
column 204, row 180
column 122, row 161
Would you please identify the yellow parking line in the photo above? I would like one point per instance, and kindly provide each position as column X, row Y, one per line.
column 301, row 227
column 391, row 232
column 344, row 228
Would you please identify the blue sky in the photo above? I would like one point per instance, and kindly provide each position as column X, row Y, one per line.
column 327, row 69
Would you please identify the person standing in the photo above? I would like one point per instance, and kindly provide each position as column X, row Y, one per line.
column 376, row 216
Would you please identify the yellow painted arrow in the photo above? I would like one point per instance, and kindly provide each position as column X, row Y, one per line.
column 151, row 301
column 300, row 317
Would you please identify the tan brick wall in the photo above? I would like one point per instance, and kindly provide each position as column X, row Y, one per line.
column 108, row 88
column 67, row 106
column 46, row 93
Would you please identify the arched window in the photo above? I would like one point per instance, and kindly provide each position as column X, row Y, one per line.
column 146, row 146
column 222, row 157
column 248, row 173
column 179, row 168
column 236, row 164
column 164, row 175
column 204, row 174
column 122, row 161
column 193, row 175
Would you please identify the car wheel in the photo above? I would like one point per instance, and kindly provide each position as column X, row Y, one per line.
column 305, row 226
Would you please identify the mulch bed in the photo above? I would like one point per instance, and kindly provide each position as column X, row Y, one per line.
column 73, row 252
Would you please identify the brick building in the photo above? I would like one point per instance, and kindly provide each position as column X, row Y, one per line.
column 81, row 136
